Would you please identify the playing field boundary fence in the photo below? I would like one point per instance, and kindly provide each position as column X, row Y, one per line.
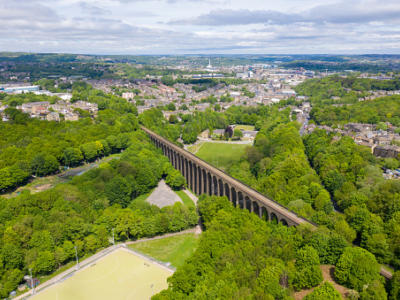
column 73, row 270
column 89, row 262
column 152, row 259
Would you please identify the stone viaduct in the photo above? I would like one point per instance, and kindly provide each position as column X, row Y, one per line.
column 205, row 178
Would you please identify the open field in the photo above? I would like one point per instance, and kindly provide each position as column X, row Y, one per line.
column 194, row 148
column 226, row 153
column 244, row 127
column 119, row 276
column 174, row 249
column 185, row 198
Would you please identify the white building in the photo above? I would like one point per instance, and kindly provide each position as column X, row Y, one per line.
column 128, row 96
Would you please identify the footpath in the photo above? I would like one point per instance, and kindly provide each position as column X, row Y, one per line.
column 191, row 196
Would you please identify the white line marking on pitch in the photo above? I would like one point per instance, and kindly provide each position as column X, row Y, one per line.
column 100, row 277
column 141, row 287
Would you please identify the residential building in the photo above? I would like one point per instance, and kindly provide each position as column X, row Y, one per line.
column 71, row 117
column 53, row 116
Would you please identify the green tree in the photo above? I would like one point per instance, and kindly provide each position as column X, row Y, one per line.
column 324, row 292
column 42, row 240
column 175, row 180
column 12, row 279
column 118, row 191
column 72, row 156
column 374, row 291
column 45, row 263
column 171, row 107
column 342, row 228
column 60, row 256
column 237, row 133
column 391, row 163
column 172, row 119
column 91, row 243
column 356, row 267
column 321, row 200
column 268, row 280
column 12, row 256
column 394, row 286
column 307, row 256
column 82, row 113
column 51, row 165
column 17, row 175
column 334, row 180
column 382, row 126
column 37, row 164
column 69, row 249
column 89, row 151
column 308, row 273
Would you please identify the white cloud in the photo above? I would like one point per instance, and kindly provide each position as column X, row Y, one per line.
column 347, row 12
column 196, row 26
column 92, row 9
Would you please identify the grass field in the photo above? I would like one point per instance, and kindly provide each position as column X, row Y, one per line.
column 194, row 148
column 226, row 153
column 185, row 198
column 142, row 198
column 175, row 249
column 119, row 276
column 244, row 127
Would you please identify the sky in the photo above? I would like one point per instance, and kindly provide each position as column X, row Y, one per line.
column 201, row 26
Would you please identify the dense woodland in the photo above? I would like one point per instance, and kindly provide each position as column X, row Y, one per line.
column 41, row 147
column 242, row 257
column 372, row 111
column 322, row 90
column 36, row 70
column 39, row 231
column 305, row 176
column 370, row 204
column 345, row 93
column 338, row 65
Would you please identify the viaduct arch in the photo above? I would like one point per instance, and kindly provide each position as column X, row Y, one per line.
column 205, row 178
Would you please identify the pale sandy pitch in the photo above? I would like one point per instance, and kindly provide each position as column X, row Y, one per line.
column 119, row 276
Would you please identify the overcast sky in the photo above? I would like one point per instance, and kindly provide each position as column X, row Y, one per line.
column 200, row 26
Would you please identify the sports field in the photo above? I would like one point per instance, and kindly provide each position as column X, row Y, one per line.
column 175, row 249
column 226, row 153
column 119, row 276
column 244, row 127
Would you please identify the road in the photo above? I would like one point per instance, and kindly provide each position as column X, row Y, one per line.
column 304, row 124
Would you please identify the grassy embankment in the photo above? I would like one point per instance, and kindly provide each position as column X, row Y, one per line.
column 244, row 127
column 194, row 148
column 174, row 249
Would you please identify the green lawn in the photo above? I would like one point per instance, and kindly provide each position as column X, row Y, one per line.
column 193, row 148
column 185, row 198
column 244, row 127
column 144, row 197
column 174, row 249
column 226, row 153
